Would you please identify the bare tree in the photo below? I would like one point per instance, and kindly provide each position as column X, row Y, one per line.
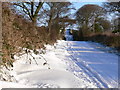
column 58, row 11
column 112, row 7
column 57, row 16
column 30, row 9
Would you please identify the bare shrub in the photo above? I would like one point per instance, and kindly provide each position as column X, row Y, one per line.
column 19, row 32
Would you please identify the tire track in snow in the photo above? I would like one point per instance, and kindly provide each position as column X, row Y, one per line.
column 90, row 72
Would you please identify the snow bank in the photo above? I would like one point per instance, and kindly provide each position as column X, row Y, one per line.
column 48, row 70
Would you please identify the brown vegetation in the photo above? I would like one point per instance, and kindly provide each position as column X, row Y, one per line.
column 19, row 33
column 107, row 38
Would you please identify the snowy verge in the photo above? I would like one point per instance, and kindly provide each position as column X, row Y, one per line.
column 66, row 64
column 49, row 70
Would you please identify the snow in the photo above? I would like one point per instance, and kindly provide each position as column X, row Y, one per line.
column 53, row 74
column 67, row 64
column 4, row 84
column 96, row 60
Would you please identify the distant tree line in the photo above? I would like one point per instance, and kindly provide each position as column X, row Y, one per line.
column 95, row 19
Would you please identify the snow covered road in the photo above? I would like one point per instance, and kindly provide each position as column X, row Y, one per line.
column 96, row 61
column 67, row 64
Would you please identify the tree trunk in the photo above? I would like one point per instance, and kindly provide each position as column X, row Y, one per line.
column 34, row 21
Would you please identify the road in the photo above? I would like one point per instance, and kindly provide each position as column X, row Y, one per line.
column 96, row 61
